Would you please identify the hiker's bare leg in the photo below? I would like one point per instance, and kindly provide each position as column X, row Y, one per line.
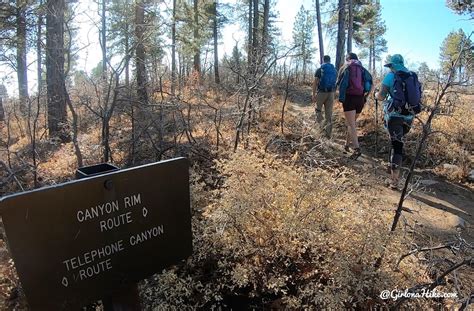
column 395, row 175
column 351, row 127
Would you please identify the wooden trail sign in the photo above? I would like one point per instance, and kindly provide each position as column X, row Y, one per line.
column 79, row 241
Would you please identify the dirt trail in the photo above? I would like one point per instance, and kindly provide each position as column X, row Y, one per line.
column 442, row 208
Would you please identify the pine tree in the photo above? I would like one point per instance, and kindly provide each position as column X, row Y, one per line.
column 235, row 63
column 193, row 30
column 426, row 74
column 450, row 50
column 369, row 29
column 462, row 7
column 16, row 19
column 303, row 37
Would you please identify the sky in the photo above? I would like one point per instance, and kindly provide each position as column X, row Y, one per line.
column 415, row 29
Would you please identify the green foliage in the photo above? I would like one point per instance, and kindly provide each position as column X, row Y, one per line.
column 120, row 29
column 188, row 44
column 9, row 12
column 303, row 28
column 97, row 71
column 461, row 7
column 425, row 74
column 235, row 60
column 451, row 50
column 369, row 29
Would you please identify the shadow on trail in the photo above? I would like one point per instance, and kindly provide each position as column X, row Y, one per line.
column 451, row 198
column 300, row 96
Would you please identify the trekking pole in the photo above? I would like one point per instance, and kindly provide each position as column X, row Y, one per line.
column 376, row 122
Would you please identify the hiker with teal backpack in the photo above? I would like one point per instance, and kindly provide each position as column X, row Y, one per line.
column 355, row 84
column 401, row 91
column 324, row 86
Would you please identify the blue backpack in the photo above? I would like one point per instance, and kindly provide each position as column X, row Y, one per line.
column 406, row 94
column 327, row 83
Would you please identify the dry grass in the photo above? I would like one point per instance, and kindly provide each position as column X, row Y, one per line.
column 277, row 224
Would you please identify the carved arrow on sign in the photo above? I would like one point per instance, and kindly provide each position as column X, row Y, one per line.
column 65, row 282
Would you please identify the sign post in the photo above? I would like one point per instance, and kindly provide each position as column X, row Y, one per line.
column 128, row 298
column 78, row 242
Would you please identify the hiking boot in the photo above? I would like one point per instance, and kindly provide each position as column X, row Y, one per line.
column 356, row 154
column 390, row 183
column 347, row 149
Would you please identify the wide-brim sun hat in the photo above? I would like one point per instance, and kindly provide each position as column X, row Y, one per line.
column 396, row 62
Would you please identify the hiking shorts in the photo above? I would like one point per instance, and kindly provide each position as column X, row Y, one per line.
column 353, row 102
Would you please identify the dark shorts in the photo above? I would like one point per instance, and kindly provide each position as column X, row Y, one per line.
column 354, row 102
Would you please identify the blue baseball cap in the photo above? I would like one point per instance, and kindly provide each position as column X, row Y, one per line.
column 396, row 62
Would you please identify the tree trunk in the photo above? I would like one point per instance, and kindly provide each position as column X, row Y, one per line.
column 370, row 59
column 39, row 69
column 266, row 16
column 57, row 116
column 350, row 27
column 303, row 50
column 180, row 70
column 249, row 44
column 129, row 93
column 373, row 56
column 103, row 40
column 255, row 28
column 173, row 50
column 75, row 130
column 217, row 79
column 2, row 112
column 197, row 52
column 140, row 53
column 105, row 87
column 320, row 32
column 127, row 61
column 22, row 66
column 39, row 43
column 340, row 35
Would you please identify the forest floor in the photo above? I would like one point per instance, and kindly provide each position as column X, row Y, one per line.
column 437, row 209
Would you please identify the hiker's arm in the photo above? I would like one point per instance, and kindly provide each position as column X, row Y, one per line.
column 368, row 77
column 315, row 87
column 383, row 92
column 340, row 74
column 371, row 83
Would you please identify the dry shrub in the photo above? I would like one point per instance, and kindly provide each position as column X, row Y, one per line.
column 454, row 140
column 277, row 236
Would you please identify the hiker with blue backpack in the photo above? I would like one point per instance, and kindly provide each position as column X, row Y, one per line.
column 355, row 83
column 324, row 86
column 401, row 91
